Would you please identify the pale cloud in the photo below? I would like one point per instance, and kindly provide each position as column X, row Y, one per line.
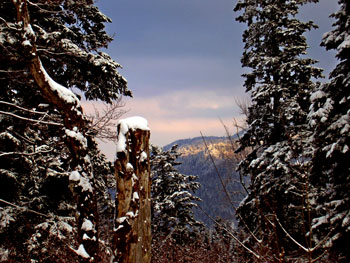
column 164, row 131
column 178, row 115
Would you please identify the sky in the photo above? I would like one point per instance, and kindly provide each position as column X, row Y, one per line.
column 182, row 61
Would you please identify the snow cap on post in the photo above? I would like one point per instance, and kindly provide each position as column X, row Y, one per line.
column 124, row 125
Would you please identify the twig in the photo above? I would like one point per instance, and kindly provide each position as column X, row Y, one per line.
column 24, row 208
column 307, row 250
column 31, row 120
column 21, row 108
column 233, row 147
column 10, row 71
column 5, row 22
column 232, row 235
column 226, row 192
column 20, row 153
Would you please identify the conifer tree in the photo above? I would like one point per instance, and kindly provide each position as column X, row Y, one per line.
column 279, row 82
column 46, row 142
column 330, row 117
column 173, row 197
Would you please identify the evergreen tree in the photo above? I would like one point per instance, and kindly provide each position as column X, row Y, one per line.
column 47, row 148
column 173, row 197
column 330, row 117
column 280, row 82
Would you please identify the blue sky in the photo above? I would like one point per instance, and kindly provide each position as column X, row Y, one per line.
column 182, row 61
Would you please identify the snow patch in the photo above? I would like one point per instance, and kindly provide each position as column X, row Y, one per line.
column 319, row 221
column 66, row 227
column 81, row 252
column 143, row 157
column 121, row 219
column 135, row 196
column 86, row 237
column 77, row 136
column 74, row 176
column 127, row 124
column 317, row 95
column 346, row 221
column 26, row 43
column 87, row 225
column 85, row 184
column 134, row 179
column 130, row 214
column 129, row 168
column 62, row 92
column 345, row 44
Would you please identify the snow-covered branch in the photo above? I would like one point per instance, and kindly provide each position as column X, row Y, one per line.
column 29, row 119
column 76, row 125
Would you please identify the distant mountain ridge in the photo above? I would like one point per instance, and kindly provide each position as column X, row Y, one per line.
column 192, row 141
column 195, row 160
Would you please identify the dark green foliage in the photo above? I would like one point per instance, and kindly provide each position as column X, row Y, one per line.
column 330, row 116
column 173, row 198
column 38, row 211
column 280, row 83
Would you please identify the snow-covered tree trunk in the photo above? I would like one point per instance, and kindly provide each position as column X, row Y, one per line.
column 77, row 141
column 132, row 236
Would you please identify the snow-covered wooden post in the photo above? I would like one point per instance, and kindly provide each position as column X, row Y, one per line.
column 132, row 233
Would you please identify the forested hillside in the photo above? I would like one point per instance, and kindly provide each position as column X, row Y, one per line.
column 195, row 160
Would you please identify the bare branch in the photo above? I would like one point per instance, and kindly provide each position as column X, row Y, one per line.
column 226, row 192
column 23, row 153
column 243, row 105
column 10, row 71
column 104, row 123
column 24, row 208
column 31, row 120
column 234, row 149
column 21, row 108
column 5, row 22
column 232, row 235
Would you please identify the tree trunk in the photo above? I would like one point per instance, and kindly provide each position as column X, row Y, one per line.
column 132, row 233
column 77, row 142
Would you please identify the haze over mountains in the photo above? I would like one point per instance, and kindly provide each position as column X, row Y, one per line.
column 195, row 160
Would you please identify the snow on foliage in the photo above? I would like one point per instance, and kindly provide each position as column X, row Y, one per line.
column 78, row 136
column 74, row 176
column 173, row 195
column 330, row 117
column 280, row 82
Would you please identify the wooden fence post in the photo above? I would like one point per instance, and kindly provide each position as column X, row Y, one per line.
column 132, row 233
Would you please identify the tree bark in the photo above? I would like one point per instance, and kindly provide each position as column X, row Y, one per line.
column 76, row 140
column 132, row 236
